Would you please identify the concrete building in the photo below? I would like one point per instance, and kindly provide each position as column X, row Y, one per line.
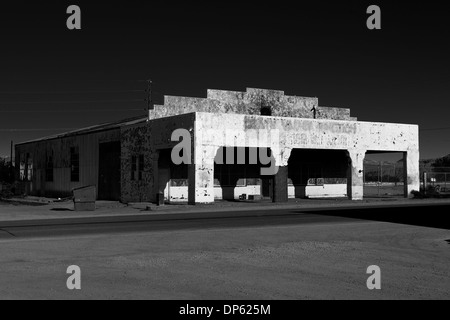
column 317, row 151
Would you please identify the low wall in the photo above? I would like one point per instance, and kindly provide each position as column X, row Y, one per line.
column 180, row 194
column 325, row 191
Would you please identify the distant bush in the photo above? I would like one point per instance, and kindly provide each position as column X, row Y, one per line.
column 6, row 191
column 431, row 192
column 442, row 162
column 6, row 172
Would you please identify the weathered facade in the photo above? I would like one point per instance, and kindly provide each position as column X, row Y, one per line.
column 318, row 151
column 54, row 166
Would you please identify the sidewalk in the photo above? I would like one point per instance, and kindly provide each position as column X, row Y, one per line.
column 61, row 210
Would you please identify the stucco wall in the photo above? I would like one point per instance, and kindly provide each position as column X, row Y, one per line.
column 212, row 130
column 217, row 130
column 308, row 133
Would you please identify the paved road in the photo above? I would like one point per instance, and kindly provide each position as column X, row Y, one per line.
column 266, row 255
column 428, row 215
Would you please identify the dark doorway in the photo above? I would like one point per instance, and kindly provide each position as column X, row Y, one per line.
column 267, row 187
column 240, row 168
column 109, row 171
column 315, row 173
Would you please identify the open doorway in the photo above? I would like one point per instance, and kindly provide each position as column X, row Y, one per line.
column 173, row 179
column 317, row 173
column 109, row 171
column 237, row 174
column 384, row 175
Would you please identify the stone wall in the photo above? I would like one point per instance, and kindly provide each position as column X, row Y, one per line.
column 135, row 141
column 147, row 139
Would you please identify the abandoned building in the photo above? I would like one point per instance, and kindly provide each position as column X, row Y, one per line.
column 319, row 152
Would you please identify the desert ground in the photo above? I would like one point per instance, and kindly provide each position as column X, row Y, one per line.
column 310, row 261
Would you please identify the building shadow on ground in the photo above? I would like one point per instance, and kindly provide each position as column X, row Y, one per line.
column 433, row 216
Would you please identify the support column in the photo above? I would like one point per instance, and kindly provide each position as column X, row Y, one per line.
column 355, row 174
column 411, row 169
column 280, row 185
column 280, row 179
column 155, row 163
column 201, row 175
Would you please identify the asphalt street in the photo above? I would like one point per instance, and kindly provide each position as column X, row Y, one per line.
column 435, row 216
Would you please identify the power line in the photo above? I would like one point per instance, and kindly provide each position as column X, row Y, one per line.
column 37, row 129
column 71, row 101
column 74, row 91
column 436, row 129
column 70, row 111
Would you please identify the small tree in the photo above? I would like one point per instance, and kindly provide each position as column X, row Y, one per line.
column 6, row 171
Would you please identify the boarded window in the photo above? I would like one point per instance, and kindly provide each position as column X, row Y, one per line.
column 22, row 172
column 133, row 167
column 49, row 167
column 29, row 167
column 141, row 166
column 137, row 167
column 26, row 167
column 74, row 164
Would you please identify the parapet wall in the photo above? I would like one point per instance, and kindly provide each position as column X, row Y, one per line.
column 251, row 102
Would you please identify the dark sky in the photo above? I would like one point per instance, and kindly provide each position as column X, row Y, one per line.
column 53, row 79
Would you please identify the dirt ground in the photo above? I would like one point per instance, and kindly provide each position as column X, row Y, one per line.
column 320, row 261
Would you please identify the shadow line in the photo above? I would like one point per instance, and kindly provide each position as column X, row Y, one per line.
column 433, row 216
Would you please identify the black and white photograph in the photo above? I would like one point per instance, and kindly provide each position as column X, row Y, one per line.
column 223, row 159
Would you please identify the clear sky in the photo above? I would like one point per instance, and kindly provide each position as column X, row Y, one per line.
column 53, row 79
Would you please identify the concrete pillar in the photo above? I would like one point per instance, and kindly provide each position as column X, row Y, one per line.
column 280, row 179
column 355, row 174
column 280, row 185
column 201, row 175
column 411, row 169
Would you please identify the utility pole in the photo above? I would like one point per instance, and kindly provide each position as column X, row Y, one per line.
column 11, row 159
column 149, row 95
column 395, row 173
column 379, row 178
column 381, row 171
column 11, row 168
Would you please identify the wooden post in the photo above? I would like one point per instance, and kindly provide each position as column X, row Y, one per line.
column 11, row 159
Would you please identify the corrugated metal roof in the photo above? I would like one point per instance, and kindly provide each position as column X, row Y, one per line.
column 91, row 129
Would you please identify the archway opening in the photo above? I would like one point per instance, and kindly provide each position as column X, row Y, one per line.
column 317, row 173
column 237, row 174
column 384, row 174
